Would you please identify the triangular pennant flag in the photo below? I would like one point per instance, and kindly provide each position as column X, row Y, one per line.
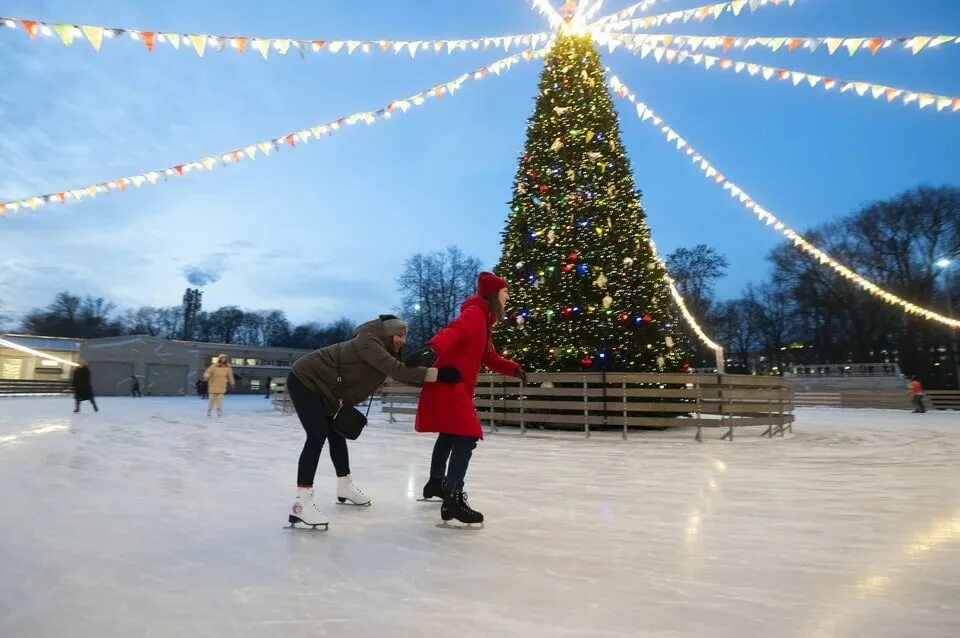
column 645, row 51
column 709, row 61
column 892, row 94
column 240, row 44
column 853, row 44
column 833, row 44
column 768, row 72
column 667, row 40
column 861, row 87
column 782, row 74
column 179, row 169
column 352, row 45
column 875, row 44
column 754, row 4
column 265, row 147
column 728, row 42
column 208, row 163
column 91, row 191
column 942, row 102
column 926, row 100
column 797, row 77
column 138, row 180
column 65, row 31
column 30, row 26
column 718, row 9
column 916, row 44
column 412, row 47
column 263, row 46
column 876, row 90
column 940, row 39
column 714, row 41
column 173, row 39
column 739, row 66
column 813, row 80
column 737, row 6
column 94, row 35
column 335, row 46
column 829, row 83
column 149, row 39
column 658, row 54
column 251, row 151
column 725, row 63
column 282, row 45
column 794, row 44
column 753, row 69
column 694, row 42
column 291, row 140
column 776, row 43
column 955, row 105
column 199, row 43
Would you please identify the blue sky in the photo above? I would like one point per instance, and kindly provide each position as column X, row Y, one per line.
column 323, row 231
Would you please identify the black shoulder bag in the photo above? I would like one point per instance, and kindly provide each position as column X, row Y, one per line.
column 348, row 420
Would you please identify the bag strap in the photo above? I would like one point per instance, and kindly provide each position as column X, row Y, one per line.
column 337, row 394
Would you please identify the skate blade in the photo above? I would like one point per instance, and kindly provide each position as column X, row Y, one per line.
column 460, row 526
column 429, row 500
column 296, row 523
column 348, row 502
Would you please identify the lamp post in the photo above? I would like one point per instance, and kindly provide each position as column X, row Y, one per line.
column 944, row 264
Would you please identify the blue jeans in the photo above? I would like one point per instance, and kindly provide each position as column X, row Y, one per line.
column 451, row 458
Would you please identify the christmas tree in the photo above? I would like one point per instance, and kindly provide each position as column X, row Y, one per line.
column 587, row 290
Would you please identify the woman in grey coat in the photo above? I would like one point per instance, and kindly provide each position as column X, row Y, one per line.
column 362, row 365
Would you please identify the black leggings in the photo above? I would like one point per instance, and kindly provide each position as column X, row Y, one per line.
column 313, row 416
column 458, row 450
column 77, row 409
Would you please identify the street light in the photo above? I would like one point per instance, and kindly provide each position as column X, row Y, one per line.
column 944, row 265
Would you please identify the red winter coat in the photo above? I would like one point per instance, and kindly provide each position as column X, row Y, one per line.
column 465, row 344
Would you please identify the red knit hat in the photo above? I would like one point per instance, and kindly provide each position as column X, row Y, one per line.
column 489, row 284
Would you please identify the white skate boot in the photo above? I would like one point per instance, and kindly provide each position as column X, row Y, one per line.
column 347, row 491
column 305, row 514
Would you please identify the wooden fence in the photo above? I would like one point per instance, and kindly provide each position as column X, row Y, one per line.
column 623, row 400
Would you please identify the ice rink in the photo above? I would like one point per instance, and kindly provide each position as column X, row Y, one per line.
column 148, row 519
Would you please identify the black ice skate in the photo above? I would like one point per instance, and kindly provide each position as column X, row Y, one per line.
column 433, row 490
column 456, row 507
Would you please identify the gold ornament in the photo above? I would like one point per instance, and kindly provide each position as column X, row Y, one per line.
column 601, row 282
column 560, row 110
column 607, row 301
column 551, row 236
column 557, row 145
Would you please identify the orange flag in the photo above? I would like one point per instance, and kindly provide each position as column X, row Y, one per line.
column 241, row 43
column 149, row 38
column 875, row 44
column 179, row 169
column 793, row 44
column 30, row 26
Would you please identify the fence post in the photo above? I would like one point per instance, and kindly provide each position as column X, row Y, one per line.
column 392, row 418
column 493, row 422
column 523, row 428
column 729, row 435
column 586, row 410
column 699, row 389
column 623, row 386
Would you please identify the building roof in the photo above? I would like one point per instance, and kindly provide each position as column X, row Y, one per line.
column 53, row 344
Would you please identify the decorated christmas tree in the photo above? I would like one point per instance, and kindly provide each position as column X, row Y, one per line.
column 587, row 290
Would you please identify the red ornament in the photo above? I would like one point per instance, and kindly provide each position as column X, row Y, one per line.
column 573, row 256
column 587, row 361
column 543, row 189
column 567, row 267
column 567, row 311
column 624, row 316
column 647, row 318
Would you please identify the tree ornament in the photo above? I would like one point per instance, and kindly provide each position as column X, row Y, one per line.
column 647, row 319
column 587, row 361
column 551, row 236
column 557, row 145
column 560, row 110
column 519, row 265
column 669, row 341
column 543, row 189
column 521, row 188
column 661, row 362
column 594, row 156
column 571, row 174
column 567, row 312
column 607, row 301
column 573, row 256
column 624, row 317
column 628, row 261
column 601, row 282
column 567, row 268
column 590, row 136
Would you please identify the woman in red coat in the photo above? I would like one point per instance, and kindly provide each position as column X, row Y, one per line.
column 447, row 407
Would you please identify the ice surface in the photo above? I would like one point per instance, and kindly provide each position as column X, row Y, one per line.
column 148, row 519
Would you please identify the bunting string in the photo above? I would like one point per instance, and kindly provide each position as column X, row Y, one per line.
column 915, row 43
column 713, row 11
column 625, row 14
column 266, row 147
column 201, row 43
column 796, row 78
column 711, row 172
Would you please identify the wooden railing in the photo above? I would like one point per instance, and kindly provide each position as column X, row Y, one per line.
column 21, row 387
column 943, row 399
column 623, row 401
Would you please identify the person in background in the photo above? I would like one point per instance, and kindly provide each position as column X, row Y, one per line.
column 201, row 386
column 219, row 375
column 916, row 395
column 83, row 386
column 135, row 386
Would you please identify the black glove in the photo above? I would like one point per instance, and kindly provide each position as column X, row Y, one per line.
column 424, row 357
column 448, row 374
column 521, row 374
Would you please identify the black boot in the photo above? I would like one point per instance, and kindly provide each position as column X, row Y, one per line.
column 455, row 506
column 434, row 488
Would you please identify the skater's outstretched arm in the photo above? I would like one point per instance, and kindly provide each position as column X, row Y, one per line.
column 498, row 364
column 372, row 350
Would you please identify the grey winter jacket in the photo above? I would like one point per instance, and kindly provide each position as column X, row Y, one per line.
column 365, row 363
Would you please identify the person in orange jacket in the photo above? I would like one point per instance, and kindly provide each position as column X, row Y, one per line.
column 916, row 394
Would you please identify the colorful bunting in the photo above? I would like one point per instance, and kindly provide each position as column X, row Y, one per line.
column 94, row 35
column 906, row 96
column 268, row 146
column 914, row 44
column 697, row 158
column 700, row 13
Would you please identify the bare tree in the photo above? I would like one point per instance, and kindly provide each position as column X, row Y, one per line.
column 432, row 287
